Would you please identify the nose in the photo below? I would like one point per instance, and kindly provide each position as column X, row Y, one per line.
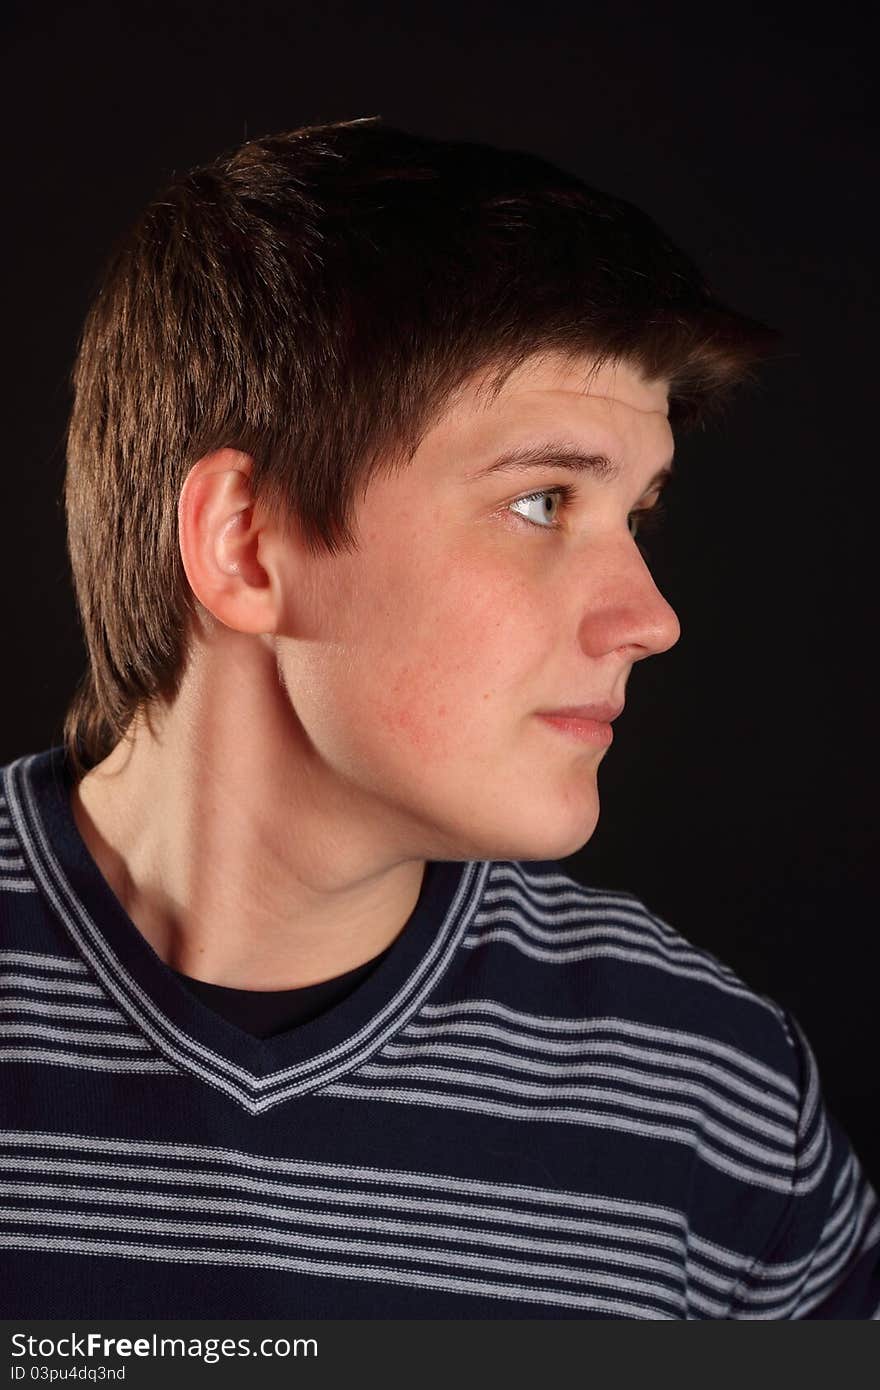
column 659, row 628
column 629, row 611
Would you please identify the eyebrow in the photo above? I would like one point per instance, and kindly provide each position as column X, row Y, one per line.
column 562, row 455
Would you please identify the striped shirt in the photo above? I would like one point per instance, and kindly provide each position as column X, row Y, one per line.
column 542, row 1102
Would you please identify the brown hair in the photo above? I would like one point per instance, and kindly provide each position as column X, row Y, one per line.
column 313, row 299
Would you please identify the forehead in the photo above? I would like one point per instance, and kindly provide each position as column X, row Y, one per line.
column 613, row 409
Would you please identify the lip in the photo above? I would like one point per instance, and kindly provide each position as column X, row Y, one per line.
column 596, row 731
column 601, row 714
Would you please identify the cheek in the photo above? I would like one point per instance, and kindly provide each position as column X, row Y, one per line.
column 413, row 710
column 453, row 665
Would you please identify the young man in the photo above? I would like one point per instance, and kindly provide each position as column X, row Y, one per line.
column 301, row 1018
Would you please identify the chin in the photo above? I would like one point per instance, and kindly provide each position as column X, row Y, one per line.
column 569, row 840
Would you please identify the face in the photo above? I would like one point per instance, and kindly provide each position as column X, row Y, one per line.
column 469, row 609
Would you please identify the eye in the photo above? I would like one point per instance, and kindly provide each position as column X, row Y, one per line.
column 647, row 520
column 564, row 493
column 643, row 521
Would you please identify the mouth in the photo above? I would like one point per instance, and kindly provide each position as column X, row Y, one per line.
column 595, row 731
column 600, row 713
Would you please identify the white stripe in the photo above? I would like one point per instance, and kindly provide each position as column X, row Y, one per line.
column 38, row 983
column 651, row 1075
column 441, row 1100
column 328, row 1244
column 534, row 891
column 45, row 1030
column 295, row 1216
column 383, row 1177
column 605, row 1095
column 790, row 1292
column 356, row 1196
column 656, row 1058
column 82, row 1062
column 672, row 1037
column 634, row 1236
column 72, row 1011
column 410, row 1278
column 632, row 925
column 825, row 1280
column 632, row 957
column 40, row 961
column 789, row 1272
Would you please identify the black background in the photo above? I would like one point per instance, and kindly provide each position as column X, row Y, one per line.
column 738, row 798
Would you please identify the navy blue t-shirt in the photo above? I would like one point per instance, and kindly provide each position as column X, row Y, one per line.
column 541, row 1101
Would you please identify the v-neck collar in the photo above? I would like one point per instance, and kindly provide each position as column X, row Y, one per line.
column 258, row 1073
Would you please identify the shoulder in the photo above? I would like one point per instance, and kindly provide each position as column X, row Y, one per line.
column 602, row 952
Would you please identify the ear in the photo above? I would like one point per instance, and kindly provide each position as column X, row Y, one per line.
column 219, row 536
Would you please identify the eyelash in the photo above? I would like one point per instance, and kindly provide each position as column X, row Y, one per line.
column 650, row 519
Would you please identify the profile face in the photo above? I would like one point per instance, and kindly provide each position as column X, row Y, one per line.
column 468, row 610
